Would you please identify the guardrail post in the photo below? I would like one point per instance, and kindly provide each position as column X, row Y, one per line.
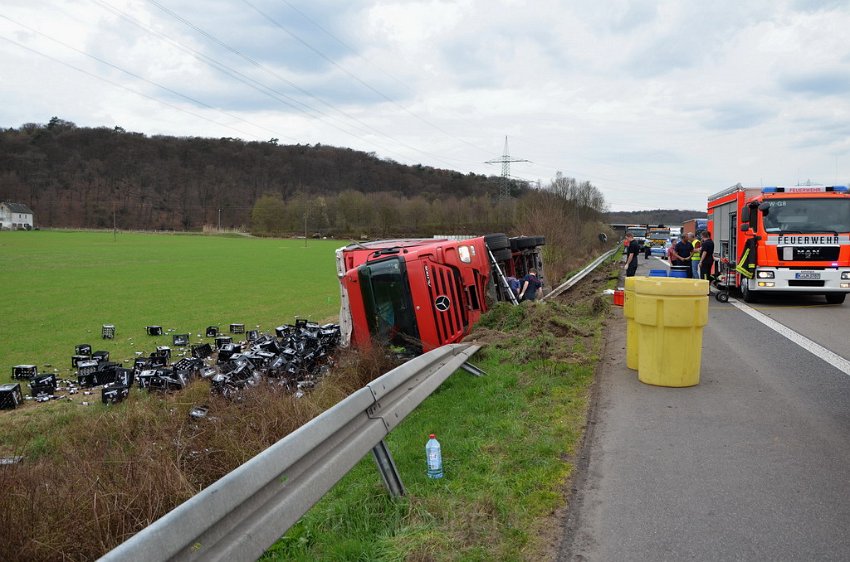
column 386, row 466
column 472, row 370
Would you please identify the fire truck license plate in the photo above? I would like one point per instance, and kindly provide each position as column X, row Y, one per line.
column 808, row 275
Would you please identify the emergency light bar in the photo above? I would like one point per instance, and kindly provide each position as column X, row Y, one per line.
column 805, row 189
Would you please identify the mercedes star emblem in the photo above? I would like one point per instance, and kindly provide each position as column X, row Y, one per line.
column 442, row 303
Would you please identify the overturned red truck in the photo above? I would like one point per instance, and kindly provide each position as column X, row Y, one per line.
column 419, row 294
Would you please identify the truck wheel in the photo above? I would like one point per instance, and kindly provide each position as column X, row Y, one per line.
column 746, row 293
column 524, row 242
column 835, row 298
column 502, row 255
column 496, row 241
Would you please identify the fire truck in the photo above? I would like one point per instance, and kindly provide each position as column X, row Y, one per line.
column 783, row 239
column 419, row 294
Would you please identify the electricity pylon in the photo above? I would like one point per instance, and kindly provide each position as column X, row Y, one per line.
column 505, row 161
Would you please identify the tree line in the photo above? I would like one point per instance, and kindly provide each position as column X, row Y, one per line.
column 657, row 216
column 82, row 177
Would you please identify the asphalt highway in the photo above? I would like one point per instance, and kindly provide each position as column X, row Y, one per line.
column 751, row 464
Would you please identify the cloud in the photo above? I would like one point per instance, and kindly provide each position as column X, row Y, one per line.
column 741, row 115
column 818, row 83
column 639, row 97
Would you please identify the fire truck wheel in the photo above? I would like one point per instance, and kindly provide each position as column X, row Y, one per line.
column 502, row 255
column 496, row 241
column 835, row 298
column 746, row 293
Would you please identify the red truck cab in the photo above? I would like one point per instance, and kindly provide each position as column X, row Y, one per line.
column 417, row 294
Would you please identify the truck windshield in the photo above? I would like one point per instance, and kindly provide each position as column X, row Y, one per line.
column 808, row 215
column 638, row 232
column 659, row 234
column 389, row 308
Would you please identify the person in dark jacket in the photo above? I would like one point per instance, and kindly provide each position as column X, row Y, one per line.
column 530, row 286
column 706, row 260
column 632, row 252
column 683, row 250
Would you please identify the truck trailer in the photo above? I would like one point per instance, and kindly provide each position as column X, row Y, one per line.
column 695, row 226
column 783, row 239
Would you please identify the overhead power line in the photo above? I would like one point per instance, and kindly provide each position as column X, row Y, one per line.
column 358, row 79
column 265, row 68
column 123, row 87
column 143, row 79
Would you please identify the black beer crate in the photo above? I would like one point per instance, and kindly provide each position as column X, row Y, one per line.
column 10, row 396
column 26, row 372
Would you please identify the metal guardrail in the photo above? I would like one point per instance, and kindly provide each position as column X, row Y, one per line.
column 568, row 284
column 239, row 516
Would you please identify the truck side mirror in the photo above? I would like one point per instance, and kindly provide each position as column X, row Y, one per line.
column 765, row 208
column 745, row 214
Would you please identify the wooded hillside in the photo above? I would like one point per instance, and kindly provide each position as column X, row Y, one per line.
column 78, row 177
column 669, row 217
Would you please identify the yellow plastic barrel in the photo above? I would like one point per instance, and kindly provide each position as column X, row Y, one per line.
column 631, row 327
column 670, row 314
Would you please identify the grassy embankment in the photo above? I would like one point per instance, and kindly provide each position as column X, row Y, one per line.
column 507, row 437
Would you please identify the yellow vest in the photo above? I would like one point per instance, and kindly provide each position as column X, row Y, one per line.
column 695, row 254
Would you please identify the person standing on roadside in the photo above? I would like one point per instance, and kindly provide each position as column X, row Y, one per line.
column 695, row 255
column 683, row 250
column 632, row 251
column 672, row 256
column 706, row 260
column 530, row 285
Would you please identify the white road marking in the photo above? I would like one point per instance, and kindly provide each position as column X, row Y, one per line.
column 814, row 348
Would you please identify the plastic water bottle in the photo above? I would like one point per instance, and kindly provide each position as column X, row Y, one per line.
column 434, row 457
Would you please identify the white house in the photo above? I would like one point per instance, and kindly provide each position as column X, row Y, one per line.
column 14, row 216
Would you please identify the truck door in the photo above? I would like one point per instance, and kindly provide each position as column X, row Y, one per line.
column 733, row 235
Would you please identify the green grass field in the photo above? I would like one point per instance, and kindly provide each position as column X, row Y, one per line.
column 58, row 288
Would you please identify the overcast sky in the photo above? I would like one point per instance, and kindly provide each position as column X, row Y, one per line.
column 658, row 104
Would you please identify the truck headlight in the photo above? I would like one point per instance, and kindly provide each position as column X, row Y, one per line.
column 845, row 274
column 463, row 254
column 765, row 275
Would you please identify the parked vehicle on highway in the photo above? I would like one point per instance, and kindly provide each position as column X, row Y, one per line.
column 658, row 239
column 640, row 231
column 419, row 294
column 784, row 239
